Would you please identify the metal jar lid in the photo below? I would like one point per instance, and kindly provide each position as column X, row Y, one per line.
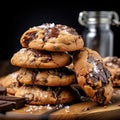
column 95, row 17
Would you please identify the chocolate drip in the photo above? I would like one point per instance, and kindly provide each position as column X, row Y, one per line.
column 100, row 96
column 99, row 72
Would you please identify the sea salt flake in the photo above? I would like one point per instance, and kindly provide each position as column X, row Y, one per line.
column 14, row 75
column 22, row 50
column 48, row 107
column 44, row 26
column 67, row 108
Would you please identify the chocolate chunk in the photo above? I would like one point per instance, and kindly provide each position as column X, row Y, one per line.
column 51, row 32
column 16, row 101
column 117, row 76
column 2, row 90
column 99, row 72
column 30, row 36
column 100, row 96
column 5, row 106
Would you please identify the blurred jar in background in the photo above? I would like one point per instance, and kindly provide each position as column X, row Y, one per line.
column 98, row 34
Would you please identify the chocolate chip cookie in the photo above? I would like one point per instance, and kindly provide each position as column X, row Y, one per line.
column 51, row 77
column 31, row 58
column 42, row 95
column 113, row 64
column 10, row 82
column 93, row 76
column 52, row 37
column 46, row 77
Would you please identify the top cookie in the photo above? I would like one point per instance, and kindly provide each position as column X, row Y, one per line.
column 52, row 37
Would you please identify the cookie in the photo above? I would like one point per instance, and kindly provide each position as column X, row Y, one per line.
column 52, row 37
column 31, row 58
column 113, row 64
column 35, row 95
column 93, row 76
column 10, row 82
column 47, row 77
column 115, row 77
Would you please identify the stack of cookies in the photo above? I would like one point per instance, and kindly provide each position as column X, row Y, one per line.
column 43, row 77
column 52, row 59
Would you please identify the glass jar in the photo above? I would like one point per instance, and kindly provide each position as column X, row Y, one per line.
column 98, row 34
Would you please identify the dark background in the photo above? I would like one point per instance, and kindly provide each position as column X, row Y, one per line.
column 18, row 16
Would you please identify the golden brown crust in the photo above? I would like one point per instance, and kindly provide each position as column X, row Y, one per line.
column 31, row 58
column 52, row 37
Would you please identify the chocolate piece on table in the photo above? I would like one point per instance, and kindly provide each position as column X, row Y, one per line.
column 2, row 90
column 6, row 106
column 16, row 101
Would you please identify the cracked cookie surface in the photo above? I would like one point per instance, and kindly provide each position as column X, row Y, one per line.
column 31, row 58
column 52, row 37
column 50, row 77
column 93, row 76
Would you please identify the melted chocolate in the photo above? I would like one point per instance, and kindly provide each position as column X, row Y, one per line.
column 99, row 72
column 46, row 55
column 61, row 71
column 30, row 36
column 100, row 96
column 52, row 30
